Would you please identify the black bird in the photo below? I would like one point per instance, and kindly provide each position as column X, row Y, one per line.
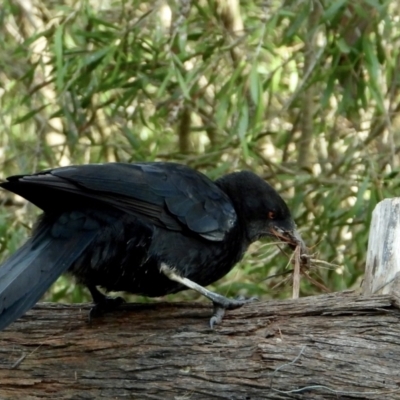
column 147, row 228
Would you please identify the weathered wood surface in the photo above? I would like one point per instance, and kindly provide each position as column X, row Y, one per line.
column 336, row 346
column 382, row 272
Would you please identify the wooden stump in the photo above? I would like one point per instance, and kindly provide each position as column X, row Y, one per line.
column 382, row 273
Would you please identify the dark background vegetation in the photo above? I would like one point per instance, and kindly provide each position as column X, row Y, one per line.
column 305, row 93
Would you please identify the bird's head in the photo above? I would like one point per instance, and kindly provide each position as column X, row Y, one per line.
column 260, row 208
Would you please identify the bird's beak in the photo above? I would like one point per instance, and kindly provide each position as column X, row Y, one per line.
column 295, row 237
column 291, row 237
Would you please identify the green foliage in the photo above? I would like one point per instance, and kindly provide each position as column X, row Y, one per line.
column 305, row 93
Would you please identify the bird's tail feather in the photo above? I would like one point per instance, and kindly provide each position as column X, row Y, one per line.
column 29, row 272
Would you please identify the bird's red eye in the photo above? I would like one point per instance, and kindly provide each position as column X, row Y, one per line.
column 271, row 215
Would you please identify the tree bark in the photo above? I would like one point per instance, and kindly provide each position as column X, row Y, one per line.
column 336, row 346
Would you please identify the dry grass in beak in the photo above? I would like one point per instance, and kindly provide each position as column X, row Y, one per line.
column 283, row 238
column 296, row 273
column 303, row 264
column 295, row 243
column 301, row 259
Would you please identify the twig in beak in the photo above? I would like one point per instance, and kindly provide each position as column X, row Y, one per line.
column 300, row 256
column 296, row 273
column 314, row 282
column 282, row 237
column 278, row 274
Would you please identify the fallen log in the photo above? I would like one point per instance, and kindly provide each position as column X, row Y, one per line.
column 324, row 347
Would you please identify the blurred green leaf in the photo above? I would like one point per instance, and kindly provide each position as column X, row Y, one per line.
column 58, row 51
column 99, row 83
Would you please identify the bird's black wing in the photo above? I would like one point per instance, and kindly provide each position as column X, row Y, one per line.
column 170, row 195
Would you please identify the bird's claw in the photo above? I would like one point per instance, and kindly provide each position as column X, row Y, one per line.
column 227, row 304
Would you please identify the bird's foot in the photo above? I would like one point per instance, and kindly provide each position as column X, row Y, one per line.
column 221, row 304
column 106, row 304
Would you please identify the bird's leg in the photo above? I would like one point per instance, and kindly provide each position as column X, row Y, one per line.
column 221, row 303
column 102, row 303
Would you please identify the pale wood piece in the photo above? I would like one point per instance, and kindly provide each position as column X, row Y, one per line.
column 336, row 346
column 382, row 272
